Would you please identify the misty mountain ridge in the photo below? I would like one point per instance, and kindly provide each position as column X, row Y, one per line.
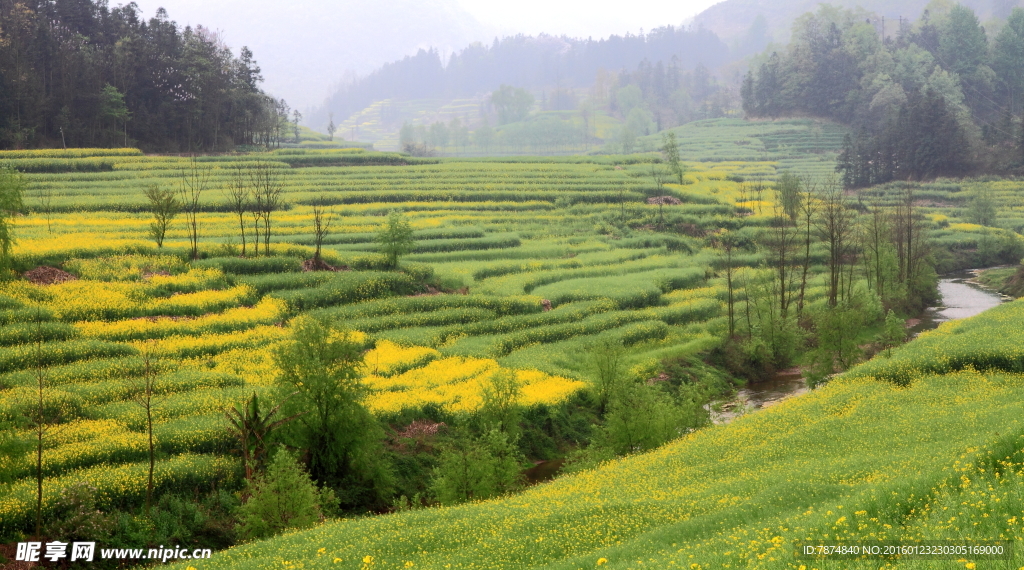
column 304, row 53
column 732, row 20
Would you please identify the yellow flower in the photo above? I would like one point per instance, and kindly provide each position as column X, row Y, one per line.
column 601, row 561
column 970, row 566
column 367, row 559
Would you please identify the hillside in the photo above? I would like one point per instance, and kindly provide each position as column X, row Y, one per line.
column 735, row 20
column 861, row 458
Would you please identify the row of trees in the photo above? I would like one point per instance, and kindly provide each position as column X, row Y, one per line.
column 77, row 73
column 254, row 191
column 253, row 194
column 876, row 261
column 923, row 99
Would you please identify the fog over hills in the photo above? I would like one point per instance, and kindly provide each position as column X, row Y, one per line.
column 732, row 19
column 305, row 51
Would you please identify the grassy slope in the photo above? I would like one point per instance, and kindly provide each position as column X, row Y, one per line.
column 858, row 458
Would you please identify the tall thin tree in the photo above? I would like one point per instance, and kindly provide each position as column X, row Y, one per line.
column 323, row 215
column 239, row 196
column 143, row 393
column 194, row 179
column 267, row 188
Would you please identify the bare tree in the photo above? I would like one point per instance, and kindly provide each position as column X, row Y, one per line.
column 878, row 234
column 909, row 239
column 266, row 188
column 780, row 239
column 331, row 127
column 835, row 224
column 296, row 117
column 239, row 196
column 807, row 213
column 194, row 180
column 727, row 242
column 46, row 204
column 143, row 396
column 42, row 422
column 322, row 218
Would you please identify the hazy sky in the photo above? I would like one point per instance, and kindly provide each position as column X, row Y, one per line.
column 583, row 17
column 306, row 47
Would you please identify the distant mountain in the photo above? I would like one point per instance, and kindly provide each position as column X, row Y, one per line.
column 736, row 20
column 306, row 53
column 542, row 63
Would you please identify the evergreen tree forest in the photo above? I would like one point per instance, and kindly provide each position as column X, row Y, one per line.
column 78, row 73
column 941, row 97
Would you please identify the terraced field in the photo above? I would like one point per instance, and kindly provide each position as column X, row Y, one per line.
column 526, row 264
column 806, row 147
column 938, row 457
column 521, row 264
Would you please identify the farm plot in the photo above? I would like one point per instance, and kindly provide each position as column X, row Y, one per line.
column 524, row 265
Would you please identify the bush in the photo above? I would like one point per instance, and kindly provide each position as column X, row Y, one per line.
column 472, row 469
column 283, row 498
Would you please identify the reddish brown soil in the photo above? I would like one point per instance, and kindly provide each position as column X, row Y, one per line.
column 45, row 275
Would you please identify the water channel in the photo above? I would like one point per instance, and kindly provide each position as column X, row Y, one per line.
column 961, row 297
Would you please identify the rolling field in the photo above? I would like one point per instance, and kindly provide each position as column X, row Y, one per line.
column 939, row 457
column 500, row 237
column 525, row 264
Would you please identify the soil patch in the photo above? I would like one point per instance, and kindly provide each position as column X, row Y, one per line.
column 46, row 275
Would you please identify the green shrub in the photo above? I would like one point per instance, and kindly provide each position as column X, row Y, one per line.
column 283, row 498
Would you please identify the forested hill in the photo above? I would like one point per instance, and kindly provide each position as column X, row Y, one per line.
column 737, row 21
column 79, row 73
column 940, row 97
column 526, row 62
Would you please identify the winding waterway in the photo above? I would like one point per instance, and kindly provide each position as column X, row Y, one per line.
column 961, row 298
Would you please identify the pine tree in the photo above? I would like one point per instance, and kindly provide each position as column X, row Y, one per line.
column 282, row 498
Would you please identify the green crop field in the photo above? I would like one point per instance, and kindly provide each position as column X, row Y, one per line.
column 935, row 456
column 524, row 264
column 496, row 238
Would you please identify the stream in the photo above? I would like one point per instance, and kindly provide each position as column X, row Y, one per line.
column 961, row 297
